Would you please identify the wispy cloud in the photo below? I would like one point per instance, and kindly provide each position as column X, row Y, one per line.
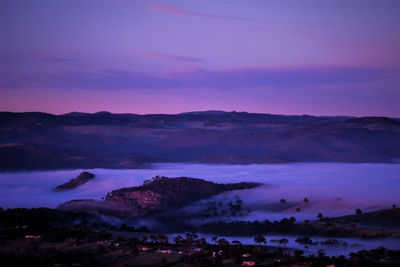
column 166, row 56
column 66, row 59
column 52, row 58
column 166, row 8
column 224, row 79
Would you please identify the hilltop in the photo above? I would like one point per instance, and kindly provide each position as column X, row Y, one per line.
column 382, row 218
column 156, row 195
column 82, row 178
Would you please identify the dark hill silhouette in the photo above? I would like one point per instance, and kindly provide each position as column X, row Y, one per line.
column 36, row 140
column 82, row 178
column 388, row 217
column 156, row 195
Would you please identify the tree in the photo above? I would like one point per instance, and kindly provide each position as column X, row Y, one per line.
column 189, row 239
column 297, row 254
column 153, row 238
column 283, row 241
column 306, row 200
column 202, row 242
column 178, row 240
column 236, row 242
column 194, row 235
column 260, row 239
column 143, row 229
column 283, row 201
column 358, row 211
column 394, row 206
column 223, row 242
column 284, row 221
column 162, row 238
column 238, row 203
column 320, row 216
column 214, row 239
column 124, row 228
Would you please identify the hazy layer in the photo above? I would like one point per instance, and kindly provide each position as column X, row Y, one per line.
column 332, row 188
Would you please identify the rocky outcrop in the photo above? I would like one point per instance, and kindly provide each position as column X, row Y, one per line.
column 158, row 194
column 146, row 199
column 82, row 178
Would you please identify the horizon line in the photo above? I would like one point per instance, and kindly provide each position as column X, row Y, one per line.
column 196, row 111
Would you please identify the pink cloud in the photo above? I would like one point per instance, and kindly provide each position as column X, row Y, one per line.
column 166, row 56
column 176, row 10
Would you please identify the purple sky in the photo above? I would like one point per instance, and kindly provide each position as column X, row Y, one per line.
column 289, row 57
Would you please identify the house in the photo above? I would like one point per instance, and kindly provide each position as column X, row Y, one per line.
column 248, row 263
column 32, row 236
column 164, row 251
column 146, row 249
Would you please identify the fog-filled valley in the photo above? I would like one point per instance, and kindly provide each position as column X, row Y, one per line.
column 332, row 188
column 174, row 133
column 301, row 190
column 314, row 184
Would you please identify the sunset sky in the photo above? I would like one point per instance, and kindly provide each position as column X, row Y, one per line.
column 288, row 57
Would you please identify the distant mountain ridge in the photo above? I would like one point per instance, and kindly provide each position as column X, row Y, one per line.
column 35, row 140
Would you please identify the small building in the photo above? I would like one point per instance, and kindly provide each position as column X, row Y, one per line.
column 248, row 263
column 146, row 249
column 32, row 237
column 164, row 251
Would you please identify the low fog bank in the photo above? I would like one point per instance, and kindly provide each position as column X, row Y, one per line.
column 333, row 189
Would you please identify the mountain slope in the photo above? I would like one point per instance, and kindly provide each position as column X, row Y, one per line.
column 158, row 194
column 80, row 140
